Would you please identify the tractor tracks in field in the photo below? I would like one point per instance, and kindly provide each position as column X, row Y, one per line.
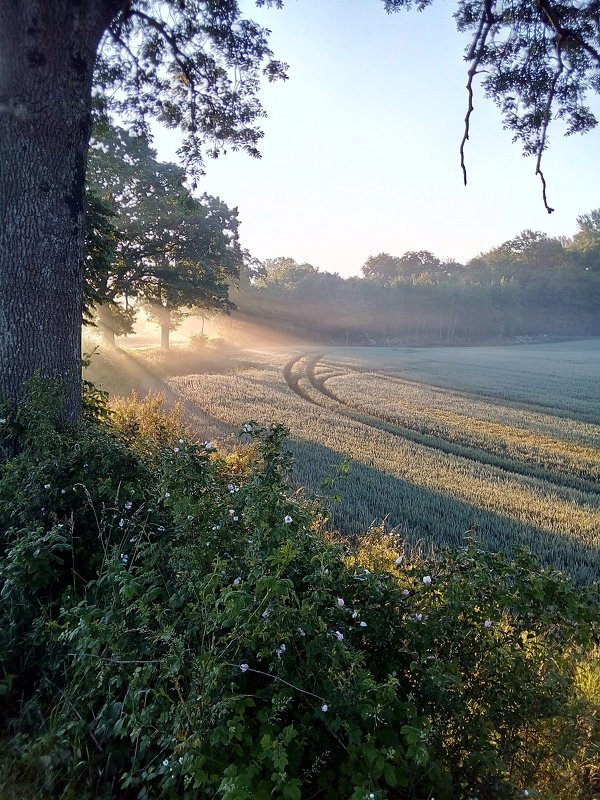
column 307, row 374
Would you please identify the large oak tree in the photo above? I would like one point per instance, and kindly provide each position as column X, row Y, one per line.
column 196, row 64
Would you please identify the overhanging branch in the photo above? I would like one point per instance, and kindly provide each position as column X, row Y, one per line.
column 475, row 55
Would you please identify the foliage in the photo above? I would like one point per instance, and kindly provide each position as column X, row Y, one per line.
column 539, row 61
column 170, row 251
column 531, row 285
column 100, row 245
column 192, row 65
column 174, row 624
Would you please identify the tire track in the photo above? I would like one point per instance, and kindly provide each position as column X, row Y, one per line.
column 334, row 403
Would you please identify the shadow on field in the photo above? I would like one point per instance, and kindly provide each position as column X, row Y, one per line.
column 430, row 519
column 122, row 373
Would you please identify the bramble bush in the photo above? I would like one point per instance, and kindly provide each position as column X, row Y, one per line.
column 174, row 624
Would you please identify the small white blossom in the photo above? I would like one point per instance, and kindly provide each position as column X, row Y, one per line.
column 301, row 632
column 354, row 614
column 209, row 445
column 121, row 522
column 175, row 449
column 161, row 527
column 181, row 441
column 405, row 592
column 166, row 762
column 340, row 601
column 46, row 486
column 237, row 581
column 124, row 558
column 427, row 579
column 235, row 519
column 190, row 517
column 167, row 494
column 128, row 505
column 63, row 491
column 244, row 667
column 2, row 421
column 324, row 707
column 488, row 623
column 232, row 510
column 287, row 519
column 339, row 636
column 247, row 427
column 363, row 624
column 399, row 560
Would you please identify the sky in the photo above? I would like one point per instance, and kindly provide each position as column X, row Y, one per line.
column 360, row 153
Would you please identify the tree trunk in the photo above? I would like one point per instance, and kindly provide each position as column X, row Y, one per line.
column 47, row 54
column 108, row 336
column 164, row 335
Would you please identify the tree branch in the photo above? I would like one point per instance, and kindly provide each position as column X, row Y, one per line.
column 475, row 55
column 181, row 59
column 563, row 33
column 544, row 130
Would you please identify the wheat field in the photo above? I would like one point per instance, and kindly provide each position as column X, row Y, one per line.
column 502, row 443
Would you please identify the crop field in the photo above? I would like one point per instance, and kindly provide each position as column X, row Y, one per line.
column 499, row 442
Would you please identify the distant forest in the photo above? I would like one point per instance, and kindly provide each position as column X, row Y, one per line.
column 531, row 286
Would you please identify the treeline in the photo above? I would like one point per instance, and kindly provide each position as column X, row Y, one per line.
column 530, row 286
column 152, row 244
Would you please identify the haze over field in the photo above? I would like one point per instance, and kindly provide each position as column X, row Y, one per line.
column 360, row 153
column 500, row 441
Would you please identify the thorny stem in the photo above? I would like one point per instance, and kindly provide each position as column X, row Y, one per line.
column 281, row 680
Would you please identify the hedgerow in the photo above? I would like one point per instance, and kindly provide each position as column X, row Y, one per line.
column 175, row 625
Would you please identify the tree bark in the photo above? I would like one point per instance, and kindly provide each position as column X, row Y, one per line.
column 108, row 337
column 47, row 55
column 164, row 335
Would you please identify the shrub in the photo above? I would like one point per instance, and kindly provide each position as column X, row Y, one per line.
column 176, row 627
column 198, row 341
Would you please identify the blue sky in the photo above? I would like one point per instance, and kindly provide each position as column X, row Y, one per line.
column 360, row 153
